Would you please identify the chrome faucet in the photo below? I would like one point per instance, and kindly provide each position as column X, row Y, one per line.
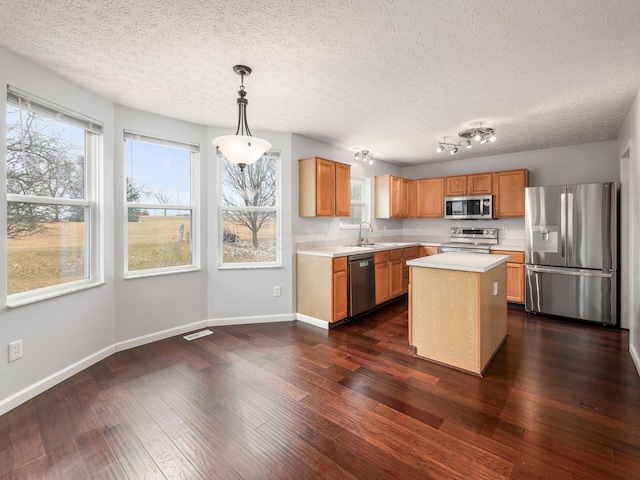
column 362, row 239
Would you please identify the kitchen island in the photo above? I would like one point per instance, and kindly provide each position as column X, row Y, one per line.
column 458, row 308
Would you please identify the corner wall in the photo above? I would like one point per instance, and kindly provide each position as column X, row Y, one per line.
column 629, row 140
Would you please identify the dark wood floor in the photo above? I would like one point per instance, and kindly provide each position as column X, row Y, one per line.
column 560, row 400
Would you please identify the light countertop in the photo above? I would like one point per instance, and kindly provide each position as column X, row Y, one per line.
column 508, row 247
column 344, row 250
column 468, row 262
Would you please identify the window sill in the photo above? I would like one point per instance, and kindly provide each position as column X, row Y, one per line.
column 159, row 273
column 20, row 299
column 244, row 266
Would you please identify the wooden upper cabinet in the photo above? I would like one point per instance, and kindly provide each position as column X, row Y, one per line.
column 343, row 190
column 455, row 186
column 479, row 184
column 404, row 198
column 412, row 199
column 388, row 196
column 508, row 193
column 430, row 195
column 325, row 188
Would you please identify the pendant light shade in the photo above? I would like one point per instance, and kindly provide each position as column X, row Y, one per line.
column 242, row 148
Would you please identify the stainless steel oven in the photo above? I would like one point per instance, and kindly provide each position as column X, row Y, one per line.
column 475, row 240
column 468, row 207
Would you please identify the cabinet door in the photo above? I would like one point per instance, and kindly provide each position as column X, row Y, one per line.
column 508, row 191
column 343, row 190
column 340, row 289
column 430, row 192
column 456, row 186
column 396, row 197
column 325, row 187
column 479, row 184
column 382, row 277
column 412, row 200
column 426, row 251
column 404, row 198
column 395, row 278
column 515, row 282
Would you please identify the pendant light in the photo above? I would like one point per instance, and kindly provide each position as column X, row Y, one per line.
column 242, row 148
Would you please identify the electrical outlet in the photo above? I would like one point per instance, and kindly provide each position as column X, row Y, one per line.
column 15, row 350
column 505, row 229
column 277, row 291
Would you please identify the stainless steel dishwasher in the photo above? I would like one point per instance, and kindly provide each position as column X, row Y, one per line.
column 362, row 283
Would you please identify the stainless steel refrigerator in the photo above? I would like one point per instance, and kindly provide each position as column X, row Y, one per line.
column 571, row 251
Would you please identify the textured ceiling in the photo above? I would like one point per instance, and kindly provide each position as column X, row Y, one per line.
column 391, row 76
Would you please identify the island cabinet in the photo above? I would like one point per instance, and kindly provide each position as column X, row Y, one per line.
column 322, row 287
column 390, row 196
column 508, row 193
column 458, row 309
column 383, row 286
column 515, row 275
column 325, row 188
column 430, row 197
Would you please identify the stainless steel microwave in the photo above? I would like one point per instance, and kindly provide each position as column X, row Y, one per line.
column 472, row 207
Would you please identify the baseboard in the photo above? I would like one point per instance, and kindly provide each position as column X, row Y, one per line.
column 161, row 335
column 316, row 322
column 52, row 380
column 635, row 357
column 221, row 322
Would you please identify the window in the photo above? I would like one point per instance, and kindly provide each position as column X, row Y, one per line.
column 359, row 203
column 52, row 235
column 250, row 213
column 161, row 203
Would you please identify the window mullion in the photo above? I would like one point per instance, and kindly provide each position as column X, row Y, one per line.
column 12, row 197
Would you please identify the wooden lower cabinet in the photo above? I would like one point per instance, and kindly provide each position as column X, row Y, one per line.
column 383, row 287
column 340, row 288
column 408, row 253
column 515, row 275
column 426, row 251
column 322, row 287
column 395, row 273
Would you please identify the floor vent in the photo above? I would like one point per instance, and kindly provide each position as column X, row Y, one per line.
column 201, row 333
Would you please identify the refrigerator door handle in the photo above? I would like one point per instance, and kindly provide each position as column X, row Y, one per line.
column 563, row 222
column 576, row 273
column 570, row 225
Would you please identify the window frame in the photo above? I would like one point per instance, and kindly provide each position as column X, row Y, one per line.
column 221, row 265
column 93, row 164
column 193, row 206
column 366, row 203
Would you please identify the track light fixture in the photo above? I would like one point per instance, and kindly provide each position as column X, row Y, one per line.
column 365, row 156
column 480, row 134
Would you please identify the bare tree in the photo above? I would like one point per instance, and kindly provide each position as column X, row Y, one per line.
column 133, row 195
column 253, row 187
column 40, row 162
column 163, row 196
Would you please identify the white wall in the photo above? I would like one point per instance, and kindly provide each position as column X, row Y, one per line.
column 148, row 305
column 246, row 295
column 59, row 332
column 323, row 229
column 629, row 141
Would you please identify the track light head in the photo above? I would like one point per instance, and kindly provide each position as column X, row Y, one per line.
column 440, row 148
column 468, row 143
column 454, row 150
column 492, row 136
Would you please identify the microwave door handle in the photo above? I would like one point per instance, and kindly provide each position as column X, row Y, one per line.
column 570, row 225
column 563, row 222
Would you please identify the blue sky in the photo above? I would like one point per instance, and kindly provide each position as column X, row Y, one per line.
column 159, row 168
